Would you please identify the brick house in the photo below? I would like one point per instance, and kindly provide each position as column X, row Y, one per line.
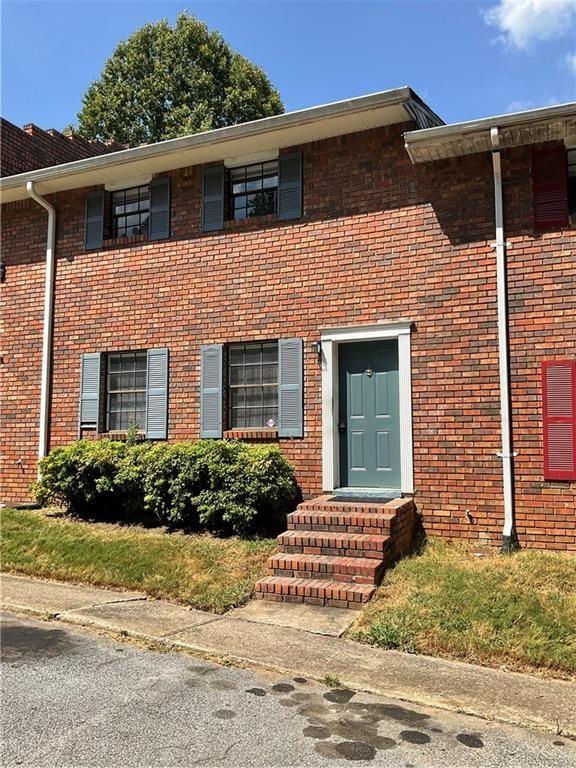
column 390, row 299
column 31, row 147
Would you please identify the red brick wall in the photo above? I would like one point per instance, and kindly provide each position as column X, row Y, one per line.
column 30, row 148
column 380, row 239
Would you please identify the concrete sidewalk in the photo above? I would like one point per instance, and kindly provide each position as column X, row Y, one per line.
column 248, row 636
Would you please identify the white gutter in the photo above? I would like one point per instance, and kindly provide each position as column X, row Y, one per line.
column 505, row 425
column 216, row 139
column 513, row 119
column 48, row 320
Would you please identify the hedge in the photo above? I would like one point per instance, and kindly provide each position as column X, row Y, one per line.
column 221, row 486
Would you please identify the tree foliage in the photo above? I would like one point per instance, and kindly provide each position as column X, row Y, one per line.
column 164, row 82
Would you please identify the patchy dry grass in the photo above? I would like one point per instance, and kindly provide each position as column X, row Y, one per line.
column 206, row 572
column 516, row 611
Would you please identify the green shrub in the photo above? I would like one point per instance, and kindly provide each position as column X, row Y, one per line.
column 82, row 477
column 250, row 487
column 221, row 486
column 173, row 478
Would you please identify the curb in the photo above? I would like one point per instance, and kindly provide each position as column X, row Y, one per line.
column 166, row 642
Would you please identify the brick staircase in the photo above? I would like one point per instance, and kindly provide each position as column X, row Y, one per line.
column 335, row 551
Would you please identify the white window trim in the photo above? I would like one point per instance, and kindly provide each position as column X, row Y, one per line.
column 331, row 338
column 256, row 157
column 137, row 181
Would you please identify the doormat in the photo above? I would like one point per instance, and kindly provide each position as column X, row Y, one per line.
column 362, row 499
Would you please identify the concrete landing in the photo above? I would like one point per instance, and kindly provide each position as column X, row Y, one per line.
column 308, row 618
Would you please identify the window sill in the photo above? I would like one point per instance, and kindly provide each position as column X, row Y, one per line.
column 119, row 242
column 254, row 222
column 250, row 434
column 120, row 435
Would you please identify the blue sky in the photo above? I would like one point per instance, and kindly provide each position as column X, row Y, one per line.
column 466, row 59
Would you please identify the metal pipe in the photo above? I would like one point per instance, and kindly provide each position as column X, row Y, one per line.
column 47, row 329
column 508, row 533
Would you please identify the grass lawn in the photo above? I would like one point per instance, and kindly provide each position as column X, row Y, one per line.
column 515, row 611
column 207, row 573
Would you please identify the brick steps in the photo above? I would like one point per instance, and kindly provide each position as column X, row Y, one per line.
column 338, row 521
column 335, row 551
column 357, row 570
column 328, row 503
column 314, row 591
column 339, row 544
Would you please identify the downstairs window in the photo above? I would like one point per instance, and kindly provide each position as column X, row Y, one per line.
column 253, row 385
column 126, row 390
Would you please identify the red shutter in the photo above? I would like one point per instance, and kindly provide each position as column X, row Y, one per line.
column 550, row 187
column 559, row 411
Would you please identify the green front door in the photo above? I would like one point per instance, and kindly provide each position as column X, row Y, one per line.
column 369, row 415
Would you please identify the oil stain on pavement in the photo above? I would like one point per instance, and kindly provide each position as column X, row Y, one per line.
column 27, row 644
column 471, row 740
column 355, row 724
column 336, row 725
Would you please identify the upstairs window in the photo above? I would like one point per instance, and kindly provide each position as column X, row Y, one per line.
column 126, row 390
column 248, row 191
column 130, row 212
column 571, row 157
column 253, row 385
column 253, row 190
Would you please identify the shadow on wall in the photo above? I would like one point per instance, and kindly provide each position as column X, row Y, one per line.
column 356, row 174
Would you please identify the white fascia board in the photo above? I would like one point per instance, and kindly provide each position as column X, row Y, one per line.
column 269, row 125
column 474, row 135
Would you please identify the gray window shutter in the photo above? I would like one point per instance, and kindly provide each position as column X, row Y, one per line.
column 213, row 199
column 290, row 186
column 159, row 228
column 94, row 220
column 211, row 390
column 290, row 388
column 90, row 391
column 157, row 394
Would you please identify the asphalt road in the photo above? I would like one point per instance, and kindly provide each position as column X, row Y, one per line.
column 71, row 697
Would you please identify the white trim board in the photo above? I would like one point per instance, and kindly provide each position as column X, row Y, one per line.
column 330, row 340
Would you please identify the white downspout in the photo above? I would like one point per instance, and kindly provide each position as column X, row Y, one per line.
column 48, row 320
column 506, row 452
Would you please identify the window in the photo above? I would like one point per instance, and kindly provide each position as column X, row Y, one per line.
column 253, row 190
column 130, row 211
column 126, row 390
column 571, row 158
column 253, row 385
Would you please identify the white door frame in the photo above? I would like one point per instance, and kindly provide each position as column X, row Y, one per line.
column 331, row 338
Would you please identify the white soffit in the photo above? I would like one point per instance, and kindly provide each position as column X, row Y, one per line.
column 247, row 139
column 530, row 127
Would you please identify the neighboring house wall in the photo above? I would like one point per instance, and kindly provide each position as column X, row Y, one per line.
column 29, row 148
column 380, row 239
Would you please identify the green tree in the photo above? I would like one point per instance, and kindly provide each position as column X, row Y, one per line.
column 164, row 82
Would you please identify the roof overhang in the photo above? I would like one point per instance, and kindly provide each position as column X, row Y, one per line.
column 531, row 127
column 272, row 133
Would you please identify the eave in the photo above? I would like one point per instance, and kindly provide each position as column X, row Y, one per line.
column 530, row 127
column 272, row 133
